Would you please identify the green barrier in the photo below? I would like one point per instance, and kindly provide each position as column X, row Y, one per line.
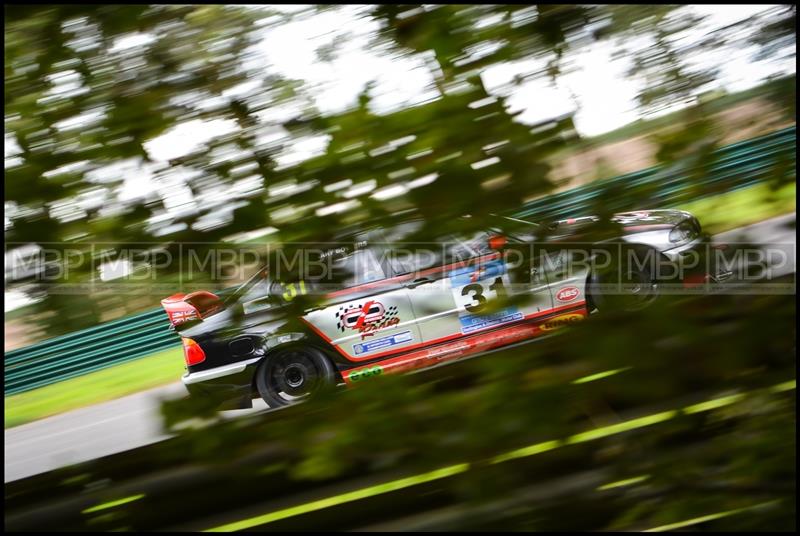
column 734, row 166
column 52, row 349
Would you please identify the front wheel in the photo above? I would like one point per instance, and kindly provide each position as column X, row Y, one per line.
column 626, row 284
column 293, row 374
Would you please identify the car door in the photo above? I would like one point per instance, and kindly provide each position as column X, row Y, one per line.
column 564, row 268
column 370, row 316
column 558, row 269
column 472, row 289
column 502, row 287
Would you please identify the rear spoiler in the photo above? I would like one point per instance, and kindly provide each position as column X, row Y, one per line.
column 195, row 306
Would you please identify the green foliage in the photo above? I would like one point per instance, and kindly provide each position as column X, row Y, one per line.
column 773, row 37
column 700, row 462
column 539, row 439
column 742, row 207
column 62, row 65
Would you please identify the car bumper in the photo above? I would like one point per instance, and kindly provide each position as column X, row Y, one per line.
column 233, row 382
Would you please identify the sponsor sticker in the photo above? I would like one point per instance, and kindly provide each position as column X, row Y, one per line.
column 366, row 318
column 567, row 294
column 560, row 321
column 385, row 342
column 471, row 323
column 358, row 375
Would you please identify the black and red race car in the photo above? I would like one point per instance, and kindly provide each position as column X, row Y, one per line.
column 378, row 305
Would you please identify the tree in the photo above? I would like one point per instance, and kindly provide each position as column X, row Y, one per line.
column 86, row 88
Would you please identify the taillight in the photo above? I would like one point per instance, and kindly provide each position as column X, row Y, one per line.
column 192, row 352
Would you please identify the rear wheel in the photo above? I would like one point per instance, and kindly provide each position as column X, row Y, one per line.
column 292, row 375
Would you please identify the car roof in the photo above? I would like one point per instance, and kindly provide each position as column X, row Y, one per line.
column 355, row 231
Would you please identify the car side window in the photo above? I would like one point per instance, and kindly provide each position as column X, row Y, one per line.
column 414, row 259
column 408, row 258
column 260, row 297
column 460, row 248
column 357, row 268
column 403, row 256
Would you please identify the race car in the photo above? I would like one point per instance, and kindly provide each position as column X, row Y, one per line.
column 378, row 304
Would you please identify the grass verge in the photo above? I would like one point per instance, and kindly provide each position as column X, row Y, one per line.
column 152, row 371
column 742, row 207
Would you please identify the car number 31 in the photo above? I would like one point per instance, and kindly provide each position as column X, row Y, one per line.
column 474, row 297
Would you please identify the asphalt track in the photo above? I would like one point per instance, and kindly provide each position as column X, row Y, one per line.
column 134, row 421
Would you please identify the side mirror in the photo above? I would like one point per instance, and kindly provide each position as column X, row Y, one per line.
column 497, row 242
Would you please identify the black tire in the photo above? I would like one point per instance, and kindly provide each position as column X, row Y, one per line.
column 629, row 283
column 293, row 374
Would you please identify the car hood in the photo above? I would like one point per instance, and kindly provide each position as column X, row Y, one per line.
column 650, row 219
column 631, row 222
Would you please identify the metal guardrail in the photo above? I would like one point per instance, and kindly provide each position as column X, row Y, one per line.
column 734, row 166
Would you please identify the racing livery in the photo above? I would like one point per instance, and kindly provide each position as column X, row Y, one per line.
column 386, row 311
